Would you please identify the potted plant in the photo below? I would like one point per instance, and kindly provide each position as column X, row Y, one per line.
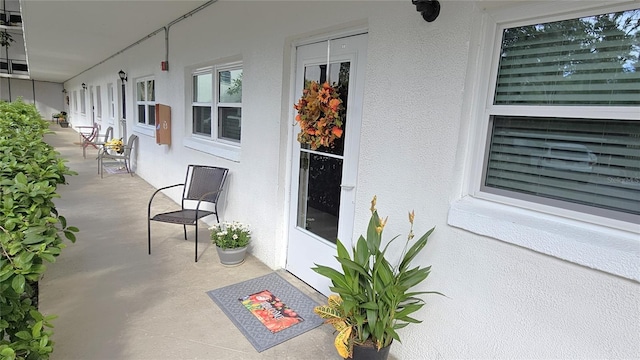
column 231, row 239
column 115, row 145
column 374, row 298
column 62, row 119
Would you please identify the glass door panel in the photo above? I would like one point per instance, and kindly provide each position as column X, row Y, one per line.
column 320, row 172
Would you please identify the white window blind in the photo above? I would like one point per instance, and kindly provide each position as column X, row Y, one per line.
column 568, row 157
column 586, row 61
column 590, row 162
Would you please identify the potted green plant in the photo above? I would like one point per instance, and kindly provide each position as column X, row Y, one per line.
column 231, row 240
column 62, row 119
column 374, row 298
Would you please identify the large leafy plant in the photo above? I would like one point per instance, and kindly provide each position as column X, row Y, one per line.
column 31, row 230
column 374, row 297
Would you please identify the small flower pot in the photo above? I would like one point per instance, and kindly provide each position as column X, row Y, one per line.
column 232, row 257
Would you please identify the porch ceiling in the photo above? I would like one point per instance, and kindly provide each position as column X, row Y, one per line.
column 65, row 37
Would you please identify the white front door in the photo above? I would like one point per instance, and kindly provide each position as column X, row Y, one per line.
column 324, row 180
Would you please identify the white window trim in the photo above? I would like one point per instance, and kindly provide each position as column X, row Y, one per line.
column 217, row 104
column 99, row 103
column 601, row 243
column 143, row 128
column 212, row 145
column 111, row 101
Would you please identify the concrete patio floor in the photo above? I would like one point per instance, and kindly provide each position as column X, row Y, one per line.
column 116, row 302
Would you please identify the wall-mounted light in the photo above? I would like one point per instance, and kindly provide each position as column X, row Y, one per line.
column 122, row 75
column 64, row 91
column 430, row 9
column 84, row 86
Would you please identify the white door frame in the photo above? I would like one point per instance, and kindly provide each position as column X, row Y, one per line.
column 351, row 172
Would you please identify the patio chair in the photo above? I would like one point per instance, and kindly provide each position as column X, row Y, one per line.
column 99, row 141
column 124, row 157
column 203, row 184
column 88, row 134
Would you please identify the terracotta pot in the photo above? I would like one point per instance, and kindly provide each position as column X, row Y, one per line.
column 231, row 257
column 368, row 351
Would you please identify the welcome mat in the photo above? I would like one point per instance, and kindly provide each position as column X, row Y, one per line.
column 287, row 309
column 117, row 169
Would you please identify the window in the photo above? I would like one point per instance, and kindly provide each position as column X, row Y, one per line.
column 75, row 100
column 202, row 100
column 145, row 101
column 98, row 103
column 111, row 101
column 554, row 127
column 217, row 103
column 564, row 119
column 83, row 101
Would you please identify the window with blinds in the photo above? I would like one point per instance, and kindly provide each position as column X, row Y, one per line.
column 586, row 164
column 585, row 61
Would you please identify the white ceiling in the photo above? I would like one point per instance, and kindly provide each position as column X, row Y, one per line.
column 65, row 37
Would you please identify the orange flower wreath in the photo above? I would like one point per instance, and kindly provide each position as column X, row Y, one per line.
column 318, row 115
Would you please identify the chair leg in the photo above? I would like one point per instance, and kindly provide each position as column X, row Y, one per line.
column 149, row 234
column 98, row 158
column 196, row 240
column 184, row 227
column 128, row 165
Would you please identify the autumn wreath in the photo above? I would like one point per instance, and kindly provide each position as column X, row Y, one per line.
column 319, row 115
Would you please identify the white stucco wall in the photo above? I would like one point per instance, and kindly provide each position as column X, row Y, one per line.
column 504, row 301
column 48, row 96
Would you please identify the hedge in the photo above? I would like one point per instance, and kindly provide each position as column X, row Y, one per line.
column 31, row 230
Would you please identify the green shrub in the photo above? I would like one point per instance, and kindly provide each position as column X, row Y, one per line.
column 31, row 230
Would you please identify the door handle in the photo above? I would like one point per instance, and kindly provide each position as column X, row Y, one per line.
column 347, row 187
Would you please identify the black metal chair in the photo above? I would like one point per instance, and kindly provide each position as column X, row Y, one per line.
column 202, row 184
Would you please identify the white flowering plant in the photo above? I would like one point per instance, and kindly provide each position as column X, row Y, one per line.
column 230, row 235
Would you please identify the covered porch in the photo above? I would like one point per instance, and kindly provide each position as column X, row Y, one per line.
column 116, row 302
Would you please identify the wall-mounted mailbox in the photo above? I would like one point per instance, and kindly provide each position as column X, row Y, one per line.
column 163, row 124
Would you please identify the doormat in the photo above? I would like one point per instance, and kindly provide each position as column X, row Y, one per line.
column 116, row 170
column 230, row 300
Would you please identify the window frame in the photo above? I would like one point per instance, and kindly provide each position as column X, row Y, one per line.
column 212, row 143
column 98, row 103
column 111, row 102
column 199, row 72
column 219, row 105
column 587, row 239
column 490, row 109
column 146, row 103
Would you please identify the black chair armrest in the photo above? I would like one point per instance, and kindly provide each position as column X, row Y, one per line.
column 202, row 198
column 156, row 192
